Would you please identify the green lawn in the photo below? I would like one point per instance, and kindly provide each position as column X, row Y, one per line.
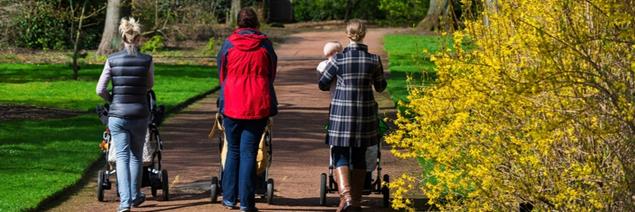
column 52, row 86
column 407, row 57
column 40, row 158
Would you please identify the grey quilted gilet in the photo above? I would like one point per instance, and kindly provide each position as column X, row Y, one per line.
column 129, row 85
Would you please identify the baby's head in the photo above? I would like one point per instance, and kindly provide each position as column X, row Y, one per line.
column 331, row 48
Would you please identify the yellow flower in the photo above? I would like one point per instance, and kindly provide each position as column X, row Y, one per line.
column 537, row 106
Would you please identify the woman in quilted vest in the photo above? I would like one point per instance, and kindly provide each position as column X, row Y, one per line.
column 132, row 76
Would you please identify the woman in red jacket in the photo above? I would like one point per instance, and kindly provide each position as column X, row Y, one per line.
column 247, row 69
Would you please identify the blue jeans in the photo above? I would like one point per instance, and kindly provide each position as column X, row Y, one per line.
column 128, row 136
column 239, row 174
column 347, row 156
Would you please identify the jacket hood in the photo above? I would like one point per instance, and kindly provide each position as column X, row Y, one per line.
column 247, row 39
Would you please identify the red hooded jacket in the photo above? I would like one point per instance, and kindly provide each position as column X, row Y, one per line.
column 247, row 69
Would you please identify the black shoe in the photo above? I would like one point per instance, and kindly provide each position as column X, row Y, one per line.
column 249, row 210
column 139, row 201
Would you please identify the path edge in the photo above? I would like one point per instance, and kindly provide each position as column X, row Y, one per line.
column 60, row 196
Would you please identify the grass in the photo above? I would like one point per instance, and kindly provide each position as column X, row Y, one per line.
column 40, row 158
column 408, row 60
column 52, row 86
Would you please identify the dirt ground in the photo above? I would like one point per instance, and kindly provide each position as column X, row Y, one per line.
column 19, row 112
column 299, row 152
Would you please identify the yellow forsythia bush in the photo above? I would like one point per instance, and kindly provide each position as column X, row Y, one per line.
column 539, row 111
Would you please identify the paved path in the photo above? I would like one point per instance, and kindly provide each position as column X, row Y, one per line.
column 299, row 152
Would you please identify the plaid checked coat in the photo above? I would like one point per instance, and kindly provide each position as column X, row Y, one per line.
column 353, row 113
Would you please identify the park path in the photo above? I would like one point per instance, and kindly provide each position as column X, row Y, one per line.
column 299, row 153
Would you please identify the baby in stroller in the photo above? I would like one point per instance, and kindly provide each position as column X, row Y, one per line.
column 153, row 175
column 373, row 153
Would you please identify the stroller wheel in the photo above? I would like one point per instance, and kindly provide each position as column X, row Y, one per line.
column 100, row 185
column 270, row 187
column 385, row 191
column 154, row 191
column 332, row 184
column 323, row 189
column 165, row 182
column 214, row 190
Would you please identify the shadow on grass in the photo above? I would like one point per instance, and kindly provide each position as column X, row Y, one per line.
column 42, row 157
column 24, row 73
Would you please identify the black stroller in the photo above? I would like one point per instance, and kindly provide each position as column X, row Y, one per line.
column 377, row 184
column 264, row 184
column 153, row 175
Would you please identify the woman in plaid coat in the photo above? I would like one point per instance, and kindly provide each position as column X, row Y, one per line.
column 353, row 112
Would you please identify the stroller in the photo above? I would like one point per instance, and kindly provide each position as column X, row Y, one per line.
column 264, row 184
column 377, row 185
column 152, row 175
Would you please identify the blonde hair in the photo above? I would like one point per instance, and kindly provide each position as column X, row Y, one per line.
column 355, row 30
column 130, row 30
column 332, row 47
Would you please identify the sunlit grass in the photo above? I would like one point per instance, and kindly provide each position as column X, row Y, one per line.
column 408, row 56
column 52, row 86
column 41, row 158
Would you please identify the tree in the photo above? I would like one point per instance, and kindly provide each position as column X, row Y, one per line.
column 76, row 30
column 233, row 12
column 534, row 107
column 261, row 10
column 110, row 39
column 436, row 10
column 442, row 13
column 408, row 11
column 350, row 5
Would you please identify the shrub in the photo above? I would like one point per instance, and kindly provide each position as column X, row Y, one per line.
column 48, row 24
column 42, row 27
column 210, row 48
column 319, row 10
column 153, row 44
column 405, row 11
column 540, row 111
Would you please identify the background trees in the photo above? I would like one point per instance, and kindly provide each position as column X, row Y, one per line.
column 534, row 104
column 109, row 38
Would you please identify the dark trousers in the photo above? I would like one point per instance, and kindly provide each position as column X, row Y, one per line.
column 239, row 174
column 345, row 156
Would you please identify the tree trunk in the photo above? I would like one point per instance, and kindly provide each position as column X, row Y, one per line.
column 76, row 42
column 110, row 40
column 261, row 11
column 233, row 12
column 435, row 11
